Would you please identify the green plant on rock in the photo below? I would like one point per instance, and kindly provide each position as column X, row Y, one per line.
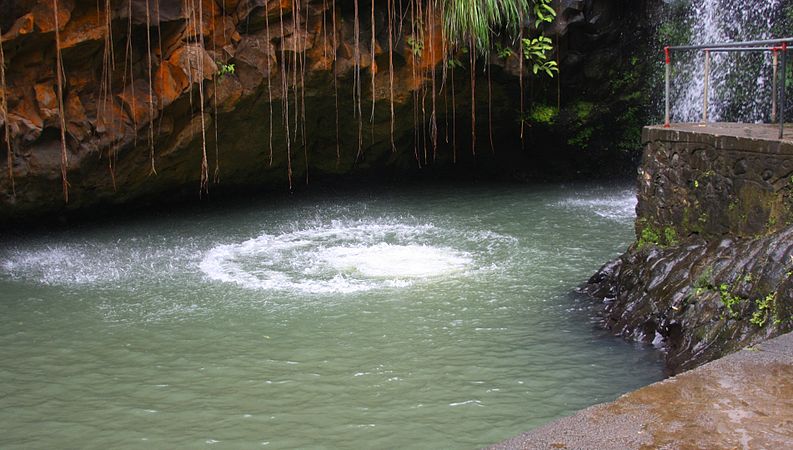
column 581, row 138
column 543, row 114
column 649, row 236
column 730, row 300
column 225, row 69
column 416, row 46
column 704, row 281
column 764, row 306
column 583, row 110
column 670, row 236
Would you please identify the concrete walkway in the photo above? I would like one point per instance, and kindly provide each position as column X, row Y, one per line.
column 744, row 400
column 762, row 131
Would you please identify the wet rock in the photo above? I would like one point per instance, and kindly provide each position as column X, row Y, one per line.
column 704, row 300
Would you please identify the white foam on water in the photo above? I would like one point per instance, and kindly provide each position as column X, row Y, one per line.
column 401, row 261
column 619, row 207
column 94, row 263
column 341, row 256
column 338, row 258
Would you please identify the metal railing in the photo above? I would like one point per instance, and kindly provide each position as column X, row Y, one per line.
column 777, row 47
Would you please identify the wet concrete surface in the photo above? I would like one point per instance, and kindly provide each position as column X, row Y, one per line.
column 762, row 131
column 741, row 401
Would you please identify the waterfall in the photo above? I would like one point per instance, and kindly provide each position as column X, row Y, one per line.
column 740, row 83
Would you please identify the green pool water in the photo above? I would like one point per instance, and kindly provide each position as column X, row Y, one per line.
column 434, row 317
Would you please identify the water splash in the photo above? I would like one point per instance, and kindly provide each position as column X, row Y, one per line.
column 740, row 83
column 618, row 207
column 347, row 257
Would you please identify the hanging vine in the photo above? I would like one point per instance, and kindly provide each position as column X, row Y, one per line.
column 151, row 89
column 490, row 109
column 269, row 86
column 433, row 115
column 391, row 68
column 336, row 84
column 357, row 78
column 4, row 111
column 465, row 26
column 285, row 94
column 61, row 110
column 216, row 172
column 303, row 91
column 204, row 162
column 472, row 55
column 106, row 85
column 128, row 63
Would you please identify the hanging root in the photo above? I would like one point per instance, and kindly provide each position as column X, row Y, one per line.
column 151, row 90
column 269, row 87
column 473, row 97
column 433, row 116
column 357, row 78
column 285, row 90
column 204, row 163
column 4, row 111
column 490, row 109
column 391, row 67
column 373, row 70
column 520, row 82
column 336, row 85
column 61, row 109
column 216, row 173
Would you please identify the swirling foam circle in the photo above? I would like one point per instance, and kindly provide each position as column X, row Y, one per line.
column 337, row 258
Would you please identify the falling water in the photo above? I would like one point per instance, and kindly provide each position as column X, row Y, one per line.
column 740, row 83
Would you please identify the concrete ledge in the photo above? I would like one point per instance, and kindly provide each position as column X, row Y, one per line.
column 744, row 400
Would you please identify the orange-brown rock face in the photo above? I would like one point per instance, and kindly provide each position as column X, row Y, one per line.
column 275, row 81
column 141, row 64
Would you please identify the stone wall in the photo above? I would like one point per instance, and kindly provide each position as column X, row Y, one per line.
column 712, row 267
column 722, row 180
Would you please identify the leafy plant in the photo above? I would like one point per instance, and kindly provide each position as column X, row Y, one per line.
column 760, row 316
column 649, row 236
column 543, row 12
column 536, row 51
column 454, row 63
column 475, row 21
column 416, row 45
column 504, row 52
column 543, row 114
column 225, row 69
column 670, row 236
column 730, row 300
column 704, row 281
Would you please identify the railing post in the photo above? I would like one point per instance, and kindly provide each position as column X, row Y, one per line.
column 668, row 74
column 705, row 83
column 774, row 78
column 782, row 91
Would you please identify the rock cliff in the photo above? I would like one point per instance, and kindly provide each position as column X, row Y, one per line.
column 163, row 100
